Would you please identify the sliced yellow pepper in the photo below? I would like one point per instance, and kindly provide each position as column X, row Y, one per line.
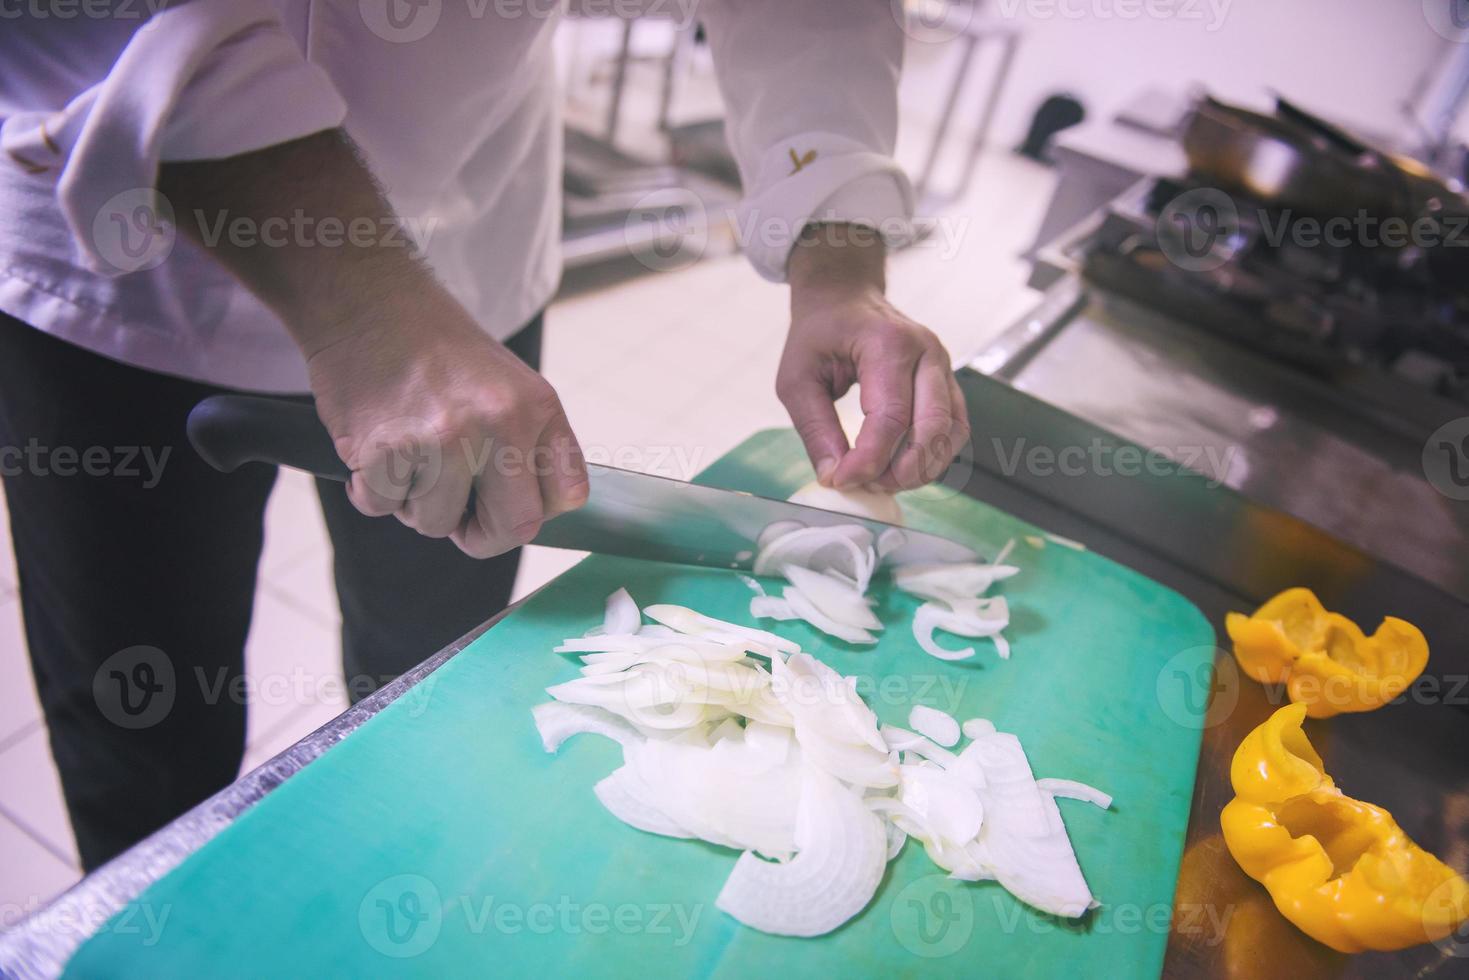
column 1323, row 658
column 1342, row 871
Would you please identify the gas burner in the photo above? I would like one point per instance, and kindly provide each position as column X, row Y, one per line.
column 1334, row 308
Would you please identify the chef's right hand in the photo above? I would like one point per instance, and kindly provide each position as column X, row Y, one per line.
column 444, row 428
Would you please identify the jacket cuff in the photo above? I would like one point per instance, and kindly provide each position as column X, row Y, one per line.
column 820, row 177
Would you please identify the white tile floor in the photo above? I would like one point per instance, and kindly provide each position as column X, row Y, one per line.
column 671, row 370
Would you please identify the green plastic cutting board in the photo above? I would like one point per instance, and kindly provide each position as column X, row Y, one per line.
column 441, row 839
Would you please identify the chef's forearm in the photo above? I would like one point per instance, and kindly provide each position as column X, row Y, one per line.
column 248, row 212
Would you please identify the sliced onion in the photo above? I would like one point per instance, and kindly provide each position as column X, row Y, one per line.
column 937, row 725
column 906, row 741
column 971, row 620
column 557, row 722
column 977, row 728
column 845, row 548
column 839, row 601
column 771, row 607
column 619, row 794
column 776, row 530
column 1073, row 790
column 685, row 620
column 1023, row 841
column 946, row 582
column 928, row 618
column 729, row 794
column 802, row 606
column 946, row 805
column 622, row 616
column 858, row 502
column 841, row 850
column 699, row 647
column 826, row 701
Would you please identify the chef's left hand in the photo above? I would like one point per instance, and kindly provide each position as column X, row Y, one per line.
column 844, row 331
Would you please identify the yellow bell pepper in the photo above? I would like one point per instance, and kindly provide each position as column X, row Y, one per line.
column 1324, row 659
column 1342, row 871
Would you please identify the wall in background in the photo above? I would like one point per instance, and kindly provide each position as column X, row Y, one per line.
column 1356, row 60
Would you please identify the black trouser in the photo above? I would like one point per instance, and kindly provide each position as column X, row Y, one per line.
column 137, row 578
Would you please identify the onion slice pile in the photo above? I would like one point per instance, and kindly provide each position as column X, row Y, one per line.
column 981, row 814
column 829, row 569
column 733, row 736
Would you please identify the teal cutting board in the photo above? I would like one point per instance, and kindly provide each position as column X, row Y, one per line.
column 440, row 839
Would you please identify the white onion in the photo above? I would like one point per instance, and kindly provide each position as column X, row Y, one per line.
column 841, row 852
column 803, row 607
column 685, row 620
column 1023, row 841
column 845, row 548
column 937, row 725
column 728, row 741
column 557, row 722
column 633, row 808
column 927, row 619
column 771, row 607
column 834, row 597
column 622, row 614
column 950, row 808
column 1073, row 790
column 858, row 502
column 977, row 728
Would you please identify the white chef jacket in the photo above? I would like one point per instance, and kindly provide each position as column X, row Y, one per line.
column 453, row 103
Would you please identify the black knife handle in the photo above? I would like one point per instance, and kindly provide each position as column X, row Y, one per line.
column 228, row 431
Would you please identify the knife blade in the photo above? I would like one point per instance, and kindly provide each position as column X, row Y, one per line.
column 631, row 514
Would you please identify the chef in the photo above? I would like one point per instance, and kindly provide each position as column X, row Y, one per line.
column 359, row 200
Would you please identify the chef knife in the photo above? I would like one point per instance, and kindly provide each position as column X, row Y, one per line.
column 635, row 515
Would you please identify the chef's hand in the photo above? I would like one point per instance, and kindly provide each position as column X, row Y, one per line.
column 443, row 427
column 446, row 429
column 845, row 332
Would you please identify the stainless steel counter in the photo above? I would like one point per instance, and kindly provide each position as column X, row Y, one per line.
column 1313, row 495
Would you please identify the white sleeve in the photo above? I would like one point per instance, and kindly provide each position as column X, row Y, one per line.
column 203, row 79
column 811, row 90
